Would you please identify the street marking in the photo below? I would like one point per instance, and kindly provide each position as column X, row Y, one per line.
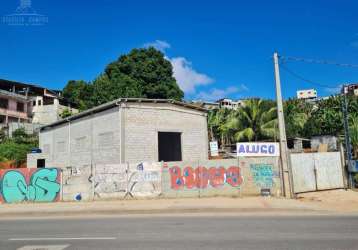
column 51, row 239
column 47, row 247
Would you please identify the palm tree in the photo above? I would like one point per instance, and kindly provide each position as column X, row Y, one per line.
column 229, row 127
column 297, row 113
column 257, row 120
column 217, row 128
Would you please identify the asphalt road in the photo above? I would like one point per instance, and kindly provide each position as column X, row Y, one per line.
column 182, row 232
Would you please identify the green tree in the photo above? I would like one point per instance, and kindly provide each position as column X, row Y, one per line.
column 142, row 73
column 297, row 113
column 257, row 121
column 106, row 89
column 151, row 72
column 17, row 147
column 2, row 134
column 219, row 125
column 326, row 118
column 19, row 136
column 79, row 93
column 353, row 132
column 10, row 150
column 65, row 113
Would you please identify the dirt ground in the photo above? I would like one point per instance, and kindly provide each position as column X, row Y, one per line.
column 339, row 200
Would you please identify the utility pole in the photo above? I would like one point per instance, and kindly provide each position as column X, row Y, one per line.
column 286, row 173
column 346, row 133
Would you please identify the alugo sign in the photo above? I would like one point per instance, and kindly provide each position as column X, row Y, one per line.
column 258, row 149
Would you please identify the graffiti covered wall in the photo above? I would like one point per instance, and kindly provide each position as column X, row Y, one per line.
column 261, row 173
column 246, row 176
column 234, row 177
column 207, row 178
column 32, row 185
column 133, row 180
column 202, row 177
column 112, row 181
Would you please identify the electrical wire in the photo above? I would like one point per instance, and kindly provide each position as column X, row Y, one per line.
column 298, row 59
column 305, row 79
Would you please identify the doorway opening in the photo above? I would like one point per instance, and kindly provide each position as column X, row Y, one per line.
column 41, row 163
column 169, row 146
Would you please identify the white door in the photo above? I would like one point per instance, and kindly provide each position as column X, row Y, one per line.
column 303, row 172
column 329, row 170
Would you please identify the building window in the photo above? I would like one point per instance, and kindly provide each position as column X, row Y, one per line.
column 4, row 103
column 105, row 139
column 34, row 103
column 20, row 107
column 39, row 103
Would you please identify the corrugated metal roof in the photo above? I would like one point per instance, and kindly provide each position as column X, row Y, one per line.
column 115, row 103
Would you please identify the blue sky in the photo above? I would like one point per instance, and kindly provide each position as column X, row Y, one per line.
column 218, row 48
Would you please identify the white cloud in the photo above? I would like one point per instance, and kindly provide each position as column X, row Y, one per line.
column 159, row 45
column 216, row 94
column 187, row 77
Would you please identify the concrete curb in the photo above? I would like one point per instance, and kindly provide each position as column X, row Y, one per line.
column 176, row 211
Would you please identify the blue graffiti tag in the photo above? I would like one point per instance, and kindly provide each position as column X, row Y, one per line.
column 262, row 175
column 43, row 186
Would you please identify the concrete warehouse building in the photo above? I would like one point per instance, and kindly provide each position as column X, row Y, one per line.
column 125, row 130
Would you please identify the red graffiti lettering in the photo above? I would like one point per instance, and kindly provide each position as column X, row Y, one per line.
column 233, row 176
column 217, row 176
column 189, row 177
column 176, row 179
column 201, row 177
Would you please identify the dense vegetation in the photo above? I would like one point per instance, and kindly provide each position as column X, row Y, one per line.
column 16, row 148
column 143, row 73
column 257, row 120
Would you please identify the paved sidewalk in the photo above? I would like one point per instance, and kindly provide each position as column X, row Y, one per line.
column 330, row 202
column 246, row 205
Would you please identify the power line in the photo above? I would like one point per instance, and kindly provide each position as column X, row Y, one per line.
column 298, row 59
column 305, row 79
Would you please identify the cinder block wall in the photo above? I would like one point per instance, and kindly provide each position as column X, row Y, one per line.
column 91, row 140
column 143, row 121
column 96, row 139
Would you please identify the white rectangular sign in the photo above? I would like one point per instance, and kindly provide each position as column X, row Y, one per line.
column 214, row 149
column 257, row 149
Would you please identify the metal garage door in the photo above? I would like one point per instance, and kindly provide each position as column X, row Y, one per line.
column 317, row 171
